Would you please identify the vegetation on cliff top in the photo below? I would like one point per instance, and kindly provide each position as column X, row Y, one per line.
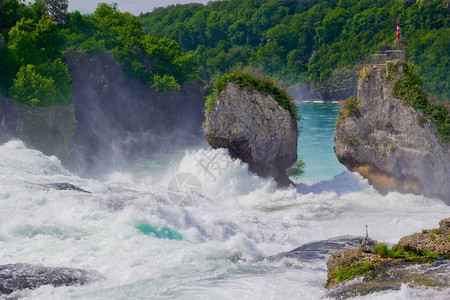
column 409, row 87
column 254, row 80
column 349, row 109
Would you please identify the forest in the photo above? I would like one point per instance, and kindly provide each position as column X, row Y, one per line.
column 322, row 43
column 35, row 36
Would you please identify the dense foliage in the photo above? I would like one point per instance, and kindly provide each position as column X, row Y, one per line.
column 319, row 41
column 33, row 38
column 314, row 41
column 156, row 61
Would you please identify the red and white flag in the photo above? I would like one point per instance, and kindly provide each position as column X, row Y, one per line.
column 398, row 30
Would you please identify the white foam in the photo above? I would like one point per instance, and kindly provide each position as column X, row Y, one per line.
column 239, row 220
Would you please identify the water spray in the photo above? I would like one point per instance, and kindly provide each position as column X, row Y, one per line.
column 114, row 155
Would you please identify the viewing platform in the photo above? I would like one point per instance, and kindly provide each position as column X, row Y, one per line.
column 388, row 55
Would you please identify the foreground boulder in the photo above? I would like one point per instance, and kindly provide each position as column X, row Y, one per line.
column 255, row 128
column 420, row 259
column 435, row 240
column 323, row 249
column 392, row 144
column 16, row 277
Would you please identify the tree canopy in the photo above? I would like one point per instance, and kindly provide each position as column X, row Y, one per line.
column 34, row 37
column 317, row 41
column 314, row 41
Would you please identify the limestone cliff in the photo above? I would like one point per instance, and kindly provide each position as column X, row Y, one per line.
column 390, row 143
column 255, row 129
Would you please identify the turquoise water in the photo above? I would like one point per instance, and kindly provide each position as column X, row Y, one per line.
column 316, row 141
column 159, row 232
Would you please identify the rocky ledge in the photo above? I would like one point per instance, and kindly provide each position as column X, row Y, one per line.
column 255, row 128
column 386, row 140
column 420, row 259
column 15, row 277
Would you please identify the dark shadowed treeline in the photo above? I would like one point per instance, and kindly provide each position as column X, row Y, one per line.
column 318, row 41
column 141, row 121
column 77, row 82
column 33, row 38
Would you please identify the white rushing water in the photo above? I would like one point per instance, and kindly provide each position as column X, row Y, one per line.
column 146, row 245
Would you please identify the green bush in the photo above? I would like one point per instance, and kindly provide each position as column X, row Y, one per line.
column 381, row 249
column 297, row 169
column 349, row 109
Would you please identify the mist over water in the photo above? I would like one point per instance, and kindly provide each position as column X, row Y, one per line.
column 130, row 230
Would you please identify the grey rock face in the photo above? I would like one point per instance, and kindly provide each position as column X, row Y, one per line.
column 16, row 277
column 435, row 240
column 63, row 186
column 255, row 129
column 323, row 249
column 390, row 143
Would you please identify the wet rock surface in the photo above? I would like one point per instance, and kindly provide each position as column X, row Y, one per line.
column 360, row 271
column 323, row 249
column 255, row 129
column 63, row 186
column 15, row 277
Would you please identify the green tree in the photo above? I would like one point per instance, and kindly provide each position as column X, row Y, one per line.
column 270, row 57
column 165, row 83
column 43, row 85
column 9, row 14
column 32, row 88
column 332, row 25
column 57, row 71
column 282, row 35
column 34, row 43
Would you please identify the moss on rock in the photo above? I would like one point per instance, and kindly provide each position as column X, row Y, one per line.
column 434, row 240
column 374, row 264
column 249, row 79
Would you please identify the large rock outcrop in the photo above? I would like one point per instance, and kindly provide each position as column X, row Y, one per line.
column 435, row 240
column 420, row 259
column 390, row 143
column 15, row 277
column 255, row 129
